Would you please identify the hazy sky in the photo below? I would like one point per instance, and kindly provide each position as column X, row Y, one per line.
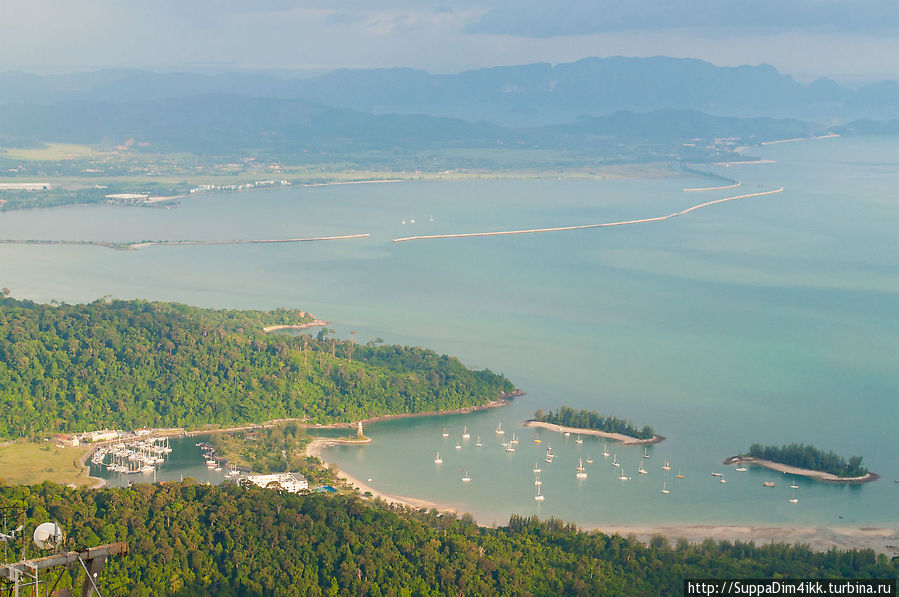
column 851, row 41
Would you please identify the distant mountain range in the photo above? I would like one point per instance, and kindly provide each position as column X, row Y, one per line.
column 527, row 95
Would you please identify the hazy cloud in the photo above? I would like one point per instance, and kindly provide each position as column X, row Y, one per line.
column 531, row 18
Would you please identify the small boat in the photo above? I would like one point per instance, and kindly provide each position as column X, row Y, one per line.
column 514, row 439
column 667, row 466
column 445, row 432
column 537, row 468
column 539, row 496
column 581, row 473
column 645, row 453
column 723, row 481
column 537, row 440
column 567, row 434
column 465, row 434
column 665, row 488
column 499, row 429
column 458, row 446
column 642, row 470
column 438, row 459
column 537, row 480
column 794, row 485
column 549, row 451
column 479, row 443
column 579, row 440
column 510, row 447
column 623, row 477
column 717, row 475
column 465, row 477
column 793, row 499
column 615, row 460
column 589, row 460
column 679, row 475
column 217, row 468
column 740, row 469
column 605, row 452
column 768, row 484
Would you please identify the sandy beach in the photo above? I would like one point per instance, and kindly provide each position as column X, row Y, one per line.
column 618, row 437
column 881, row 540
column 296, row 326
column 314, row 449
column 800, row 472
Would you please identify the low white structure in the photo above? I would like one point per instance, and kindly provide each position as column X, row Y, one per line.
column 289, row 482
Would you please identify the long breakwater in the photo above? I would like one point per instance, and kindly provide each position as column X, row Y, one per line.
column 127, row 246
column 585, row 226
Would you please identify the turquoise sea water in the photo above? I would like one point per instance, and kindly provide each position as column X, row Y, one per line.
column 770, row 319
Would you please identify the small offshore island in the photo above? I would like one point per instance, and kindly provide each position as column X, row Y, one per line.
column 584, row 422
column 806, row 461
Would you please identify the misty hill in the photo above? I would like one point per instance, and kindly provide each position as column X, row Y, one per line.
column 230, row 124
column 226, row 124
column 526, row 95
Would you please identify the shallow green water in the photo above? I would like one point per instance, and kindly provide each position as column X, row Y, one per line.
column 770, row 319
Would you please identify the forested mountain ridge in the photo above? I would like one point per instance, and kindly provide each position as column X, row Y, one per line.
column 191, row 540
column 150, row 364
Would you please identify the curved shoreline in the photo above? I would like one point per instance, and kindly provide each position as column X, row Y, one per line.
column 618, row 437
column 585, row 226
column 802, row 472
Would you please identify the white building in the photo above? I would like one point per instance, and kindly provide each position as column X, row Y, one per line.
column 290, row 482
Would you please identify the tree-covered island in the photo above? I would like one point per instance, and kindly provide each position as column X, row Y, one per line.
column 132, row 364
column 586, row 421
column 806, row 460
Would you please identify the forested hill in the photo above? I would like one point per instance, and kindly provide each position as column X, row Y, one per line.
column 191, row 540
column 130, row 364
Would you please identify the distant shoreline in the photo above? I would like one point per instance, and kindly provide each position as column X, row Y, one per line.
column 618, row 437
column 802, row 472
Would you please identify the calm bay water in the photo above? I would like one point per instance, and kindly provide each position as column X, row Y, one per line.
column 770, row 319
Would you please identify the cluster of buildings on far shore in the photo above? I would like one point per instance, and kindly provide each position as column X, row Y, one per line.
column 107, row 435
column 289, row 482
column 205, row 188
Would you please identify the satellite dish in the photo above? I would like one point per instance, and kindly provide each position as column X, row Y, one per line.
column 48, row 536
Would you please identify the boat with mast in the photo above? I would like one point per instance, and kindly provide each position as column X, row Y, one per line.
column 438, row 459
column 605, row 451
column 465, row 434
column 665, row 488
column 465, row 477
column 579, row 440
column 537, row 480
column 645, row 453
column 499, row 428
column 667, row 466
column 641, row 470
column 539, row 496
column 479, row 443
column 615, row 460
column 581, row 473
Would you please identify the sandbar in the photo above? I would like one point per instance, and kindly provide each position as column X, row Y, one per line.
column 802, row 472
column 618, row 437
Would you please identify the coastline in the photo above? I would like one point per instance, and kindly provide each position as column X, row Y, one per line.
column 296, row 326
column 880, row 539
column 823, row 538
column 314, row 448
column 618, row 437
column 801, row 472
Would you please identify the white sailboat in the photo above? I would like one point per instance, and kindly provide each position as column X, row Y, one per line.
column 445, row 432
column 458, row 446
column 794, row 485
column 615, row 460
column 605, row 451
column 623, row 477
column 479, row 443
column 581, row 473
column 667, row 466
column 465, row 477
column 465, row 434
column 589, row 460
column 642, row 470
column 645, row 453
column 579, row 440
column 665, row 488
column 514, row 439
column 438, row 459
column 793, row 499
column 537, row 469
column 499, row 429
column 510, row 447
column 539, row 496
column 537, row 480
column 740, row 469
